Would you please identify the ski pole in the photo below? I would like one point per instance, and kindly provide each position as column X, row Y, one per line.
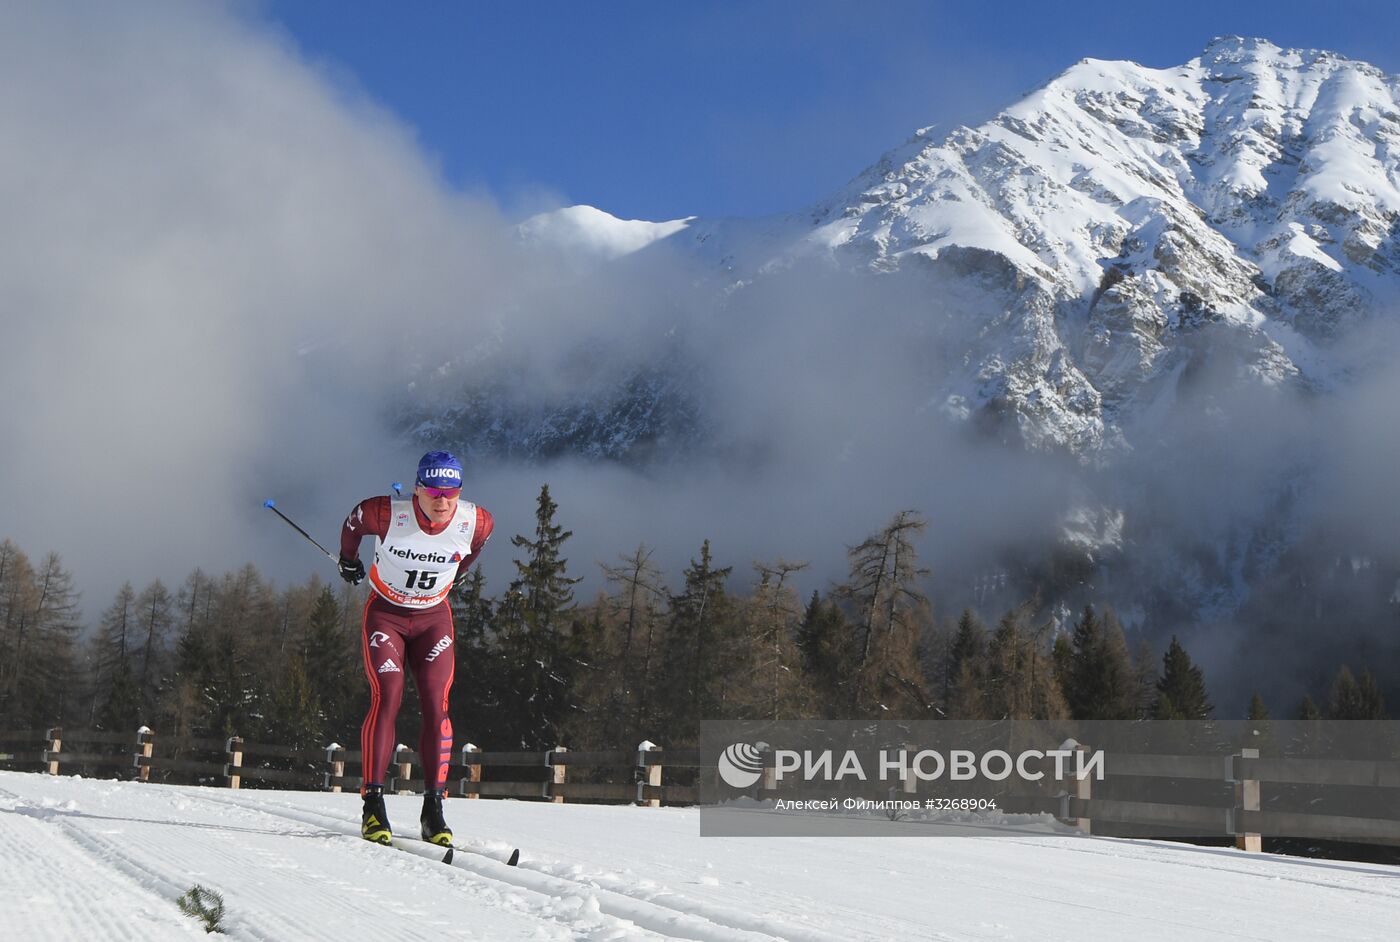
column 272, row 506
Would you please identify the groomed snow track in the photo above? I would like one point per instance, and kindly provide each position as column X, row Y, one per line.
column 96, row 859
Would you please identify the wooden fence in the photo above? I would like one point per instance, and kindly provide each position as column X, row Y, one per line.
column 233, row 762
column 1243, row 783
column 1242, row 812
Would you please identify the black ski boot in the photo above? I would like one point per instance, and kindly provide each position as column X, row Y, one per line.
column 435, row 829
column 374, row 821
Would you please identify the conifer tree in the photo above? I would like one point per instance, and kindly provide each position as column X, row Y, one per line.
column 1047, row 697
column 1062, row 659
column 476, row 685
column 193, row 603
column 230, row 689
column 826, row 643
column 334, row 685
column 17, row 594
column 292, row 713
column 630, row 666
column 548, row 592
column 45, row 655
column 1258, row 712
column 538, row 638
column 1145, row 672
column 472, row 609
column 968, row 698
column 881, row 587
column 969, row 643
column 155, row 615
column 183, row 710
column 968, row 669
column 1005, row 696
column 217, row 689
column 588, row 659
column 1181, row 692
column 520, row 720
column 694, row 644
column 891, row 616
column 115, row 690
column 247, row 630
column 1307, row 710
column 122, row 709
column 1020, row 677
column 1351, row 699
column 1101, row 681
column 777, row 684
column 1371, row 702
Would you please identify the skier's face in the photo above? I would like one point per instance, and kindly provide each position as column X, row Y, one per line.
column 438, row 503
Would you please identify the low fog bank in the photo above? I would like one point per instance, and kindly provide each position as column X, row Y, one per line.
column 1255, row 521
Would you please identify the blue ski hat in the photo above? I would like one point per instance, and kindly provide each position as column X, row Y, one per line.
column 440, row 469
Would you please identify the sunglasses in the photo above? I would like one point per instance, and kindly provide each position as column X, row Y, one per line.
column 448, row 492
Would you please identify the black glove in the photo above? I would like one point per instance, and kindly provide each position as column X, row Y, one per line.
column 459, row 584
column 352, row 570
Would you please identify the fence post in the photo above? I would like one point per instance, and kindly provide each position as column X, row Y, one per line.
column 335, row 766
column 1246, row 799
column 769, row 782
column 647, row 774
column 55, row 737
column 234, row 746
column 1083, row 790
column 145, row 748
column 473, row 769
column 405, row 767
column 560, row 776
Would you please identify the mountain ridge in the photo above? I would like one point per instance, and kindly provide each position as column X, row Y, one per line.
column 1252, row 186
column 1100, row 271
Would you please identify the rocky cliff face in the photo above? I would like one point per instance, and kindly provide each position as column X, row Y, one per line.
column 1122, row 208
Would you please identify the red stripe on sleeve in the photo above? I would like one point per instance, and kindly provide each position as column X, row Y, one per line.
column 482, row 533
column 369, row 518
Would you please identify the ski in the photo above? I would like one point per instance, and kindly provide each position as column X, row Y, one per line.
column 428, row 851
column 511, row 860
column 425, row 851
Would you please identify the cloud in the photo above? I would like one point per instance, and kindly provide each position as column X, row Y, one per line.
column 189, row 210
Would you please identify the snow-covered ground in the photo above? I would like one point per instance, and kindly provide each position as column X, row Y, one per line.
column 87, row 859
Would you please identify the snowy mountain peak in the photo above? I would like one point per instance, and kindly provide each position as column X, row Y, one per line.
column 1253, row 187
column 1115, row 224
column 589, row 233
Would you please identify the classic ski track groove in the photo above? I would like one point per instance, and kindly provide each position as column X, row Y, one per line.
column 716, row 915
column 77, row 907
column 541, row 878
column 122, row 840
column 168, row 877
column 157, row 876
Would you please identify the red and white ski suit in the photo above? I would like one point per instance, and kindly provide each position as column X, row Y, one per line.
column 408, row 621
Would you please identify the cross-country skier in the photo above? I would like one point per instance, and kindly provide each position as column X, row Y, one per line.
column 422, row 550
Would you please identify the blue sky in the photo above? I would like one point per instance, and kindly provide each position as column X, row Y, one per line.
column 657, row 110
